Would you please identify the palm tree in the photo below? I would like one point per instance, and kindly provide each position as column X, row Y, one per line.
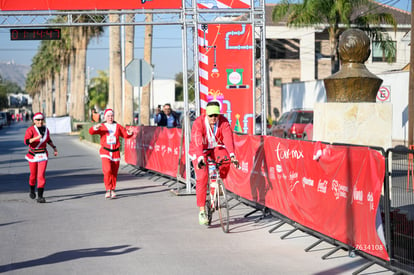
column 115, row 68
column 128, row 100
column 81, row 36
column 338, row 15
column 145, row 99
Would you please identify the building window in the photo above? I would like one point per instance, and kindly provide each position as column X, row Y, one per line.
column 379, row 55
column 283, row 48
column 295, row 80
column 277, row 82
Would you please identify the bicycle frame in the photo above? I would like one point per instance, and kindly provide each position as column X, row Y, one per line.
column 217, row 194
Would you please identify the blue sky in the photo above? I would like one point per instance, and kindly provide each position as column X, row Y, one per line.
column 167, row 49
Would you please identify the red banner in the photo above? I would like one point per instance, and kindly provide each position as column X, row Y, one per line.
column 332, row 189
column 28, row 5
column 225, row 70
column 155, row 148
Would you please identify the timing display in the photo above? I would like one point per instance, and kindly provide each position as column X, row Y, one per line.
column 34, row 34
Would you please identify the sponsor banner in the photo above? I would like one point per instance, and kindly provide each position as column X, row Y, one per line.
column 155, row 148
column 332, row 189
column 223, row 4
column 225, row 72
column 28, row 5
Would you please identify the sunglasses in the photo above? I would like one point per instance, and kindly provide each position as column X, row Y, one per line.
column 213, row 115
column 39, row 119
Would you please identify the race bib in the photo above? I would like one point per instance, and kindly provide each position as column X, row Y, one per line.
column 111, row 139
column 40, row 157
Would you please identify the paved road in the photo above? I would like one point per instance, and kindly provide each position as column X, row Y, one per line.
column 146, row 230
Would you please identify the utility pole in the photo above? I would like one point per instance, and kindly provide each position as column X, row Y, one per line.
column 411, row 84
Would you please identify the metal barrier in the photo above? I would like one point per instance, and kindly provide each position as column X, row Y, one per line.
column 401, row 207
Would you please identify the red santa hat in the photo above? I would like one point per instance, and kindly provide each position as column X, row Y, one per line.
column 107, row 111
column 38, row 115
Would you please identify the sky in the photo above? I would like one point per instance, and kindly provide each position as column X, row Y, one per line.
column 167, row 47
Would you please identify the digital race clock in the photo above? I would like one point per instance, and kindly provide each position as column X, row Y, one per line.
column 34, row 34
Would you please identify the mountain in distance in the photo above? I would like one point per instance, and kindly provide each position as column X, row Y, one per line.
column 13, row 72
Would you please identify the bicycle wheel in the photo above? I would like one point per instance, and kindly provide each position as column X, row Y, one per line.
column 207, row 207
column 223, row 207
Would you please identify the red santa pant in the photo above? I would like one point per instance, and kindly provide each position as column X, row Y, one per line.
column 37, row 172
column 219, row 153
column 110, row 170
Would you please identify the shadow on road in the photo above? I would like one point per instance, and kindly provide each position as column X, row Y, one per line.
column 71, row 255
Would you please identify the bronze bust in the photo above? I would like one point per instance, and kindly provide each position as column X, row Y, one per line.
column 353, row 82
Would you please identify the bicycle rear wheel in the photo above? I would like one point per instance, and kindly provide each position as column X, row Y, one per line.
column 223, row 207
column 208, row 209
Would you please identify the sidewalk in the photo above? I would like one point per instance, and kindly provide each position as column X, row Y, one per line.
column 146, row 230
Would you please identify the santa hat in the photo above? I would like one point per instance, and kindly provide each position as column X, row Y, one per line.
column 38, row 115
column 107, row 111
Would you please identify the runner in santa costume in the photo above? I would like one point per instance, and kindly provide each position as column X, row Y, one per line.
column 110, row 131
column 37, row 137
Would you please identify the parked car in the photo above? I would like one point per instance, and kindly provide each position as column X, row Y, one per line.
column 292, row 124
column 308, row 131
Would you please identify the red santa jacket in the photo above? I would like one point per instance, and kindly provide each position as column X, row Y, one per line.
column 110, row 144
column 37, row 149
column 199, row 140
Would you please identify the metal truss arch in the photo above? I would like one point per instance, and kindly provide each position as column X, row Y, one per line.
column 189, row 17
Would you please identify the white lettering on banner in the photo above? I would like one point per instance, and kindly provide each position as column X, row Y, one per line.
column 306, row 181
column 150, row 147
column 292, row 186
column 339, row 190
column 272, row 173
column 176, row 151
column 357, row 195
column 322, row 186
column 279, row 168
column 244, row 166
column 157, row 148
column 288, row 154
column 169, row 150
column 370, row 199
column 163, row 148
column 293, row 175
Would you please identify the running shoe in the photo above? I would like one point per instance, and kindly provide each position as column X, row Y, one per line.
column 202, row 218
column 113, row 194
column 108, row 194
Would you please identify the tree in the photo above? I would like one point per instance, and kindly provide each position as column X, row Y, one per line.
column 115, row 68
column 98, row 91
column 179, row 94
column 338, row 15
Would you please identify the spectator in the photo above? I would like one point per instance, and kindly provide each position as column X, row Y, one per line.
column 95, row 116
column 167, row 117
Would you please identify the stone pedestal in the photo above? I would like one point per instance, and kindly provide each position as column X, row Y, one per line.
column 367, row 124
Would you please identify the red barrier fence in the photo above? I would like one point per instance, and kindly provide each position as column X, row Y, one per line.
column 332, row 189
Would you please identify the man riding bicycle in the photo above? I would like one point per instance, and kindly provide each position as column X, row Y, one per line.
column 210, row 131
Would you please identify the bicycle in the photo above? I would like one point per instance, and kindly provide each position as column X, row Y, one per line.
column 217, row 194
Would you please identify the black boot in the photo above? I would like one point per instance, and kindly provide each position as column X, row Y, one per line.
column 40, row 198
column 32, row 193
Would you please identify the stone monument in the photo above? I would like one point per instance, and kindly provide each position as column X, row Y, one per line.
column 351, row 114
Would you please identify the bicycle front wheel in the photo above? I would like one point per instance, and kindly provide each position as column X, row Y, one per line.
column 223, row 207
